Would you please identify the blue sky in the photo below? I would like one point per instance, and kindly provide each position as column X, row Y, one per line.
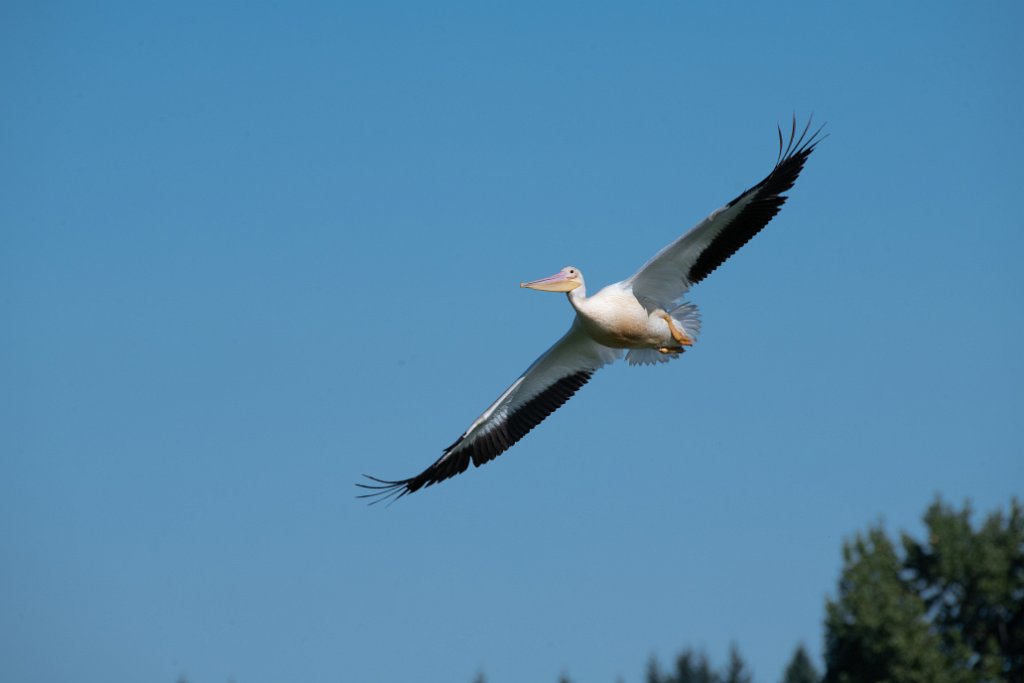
column 251, row 251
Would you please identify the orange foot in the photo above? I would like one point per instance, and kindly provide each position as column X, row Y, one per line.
column 681, row 337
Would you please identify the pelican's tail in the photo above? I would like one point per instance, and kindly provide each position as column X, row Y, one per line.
column 686, row 317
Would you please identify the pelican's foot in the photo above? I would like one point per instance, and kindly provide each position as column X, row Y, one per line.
column 672, row 350
column 681, row 337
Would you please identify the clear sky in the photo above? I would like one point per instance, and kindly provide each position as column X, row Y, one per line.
column 251, row 251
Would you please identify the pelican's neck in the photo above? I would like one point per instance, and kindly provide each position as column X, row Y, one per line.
column 577, row 297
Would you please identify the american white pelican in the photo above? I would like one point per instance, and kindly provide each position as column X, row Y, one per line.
column 643, row 317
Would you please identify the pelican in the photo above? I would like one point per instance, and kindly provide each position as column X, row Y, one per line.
column 644, row 317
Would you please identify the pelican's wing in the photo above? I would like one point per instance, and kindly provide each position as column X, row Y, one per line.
column 543, row 388
column 666, row 277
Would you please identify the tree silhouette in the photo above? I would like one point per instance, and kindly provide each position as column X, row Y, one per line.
column 972, row 584
column 801, row 669
column 949, row 609
column 736, row 671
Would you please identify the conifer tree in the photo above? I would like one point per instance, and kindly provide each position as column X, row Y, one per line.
column 736, row 672
column 948, row 609
column 801, row 669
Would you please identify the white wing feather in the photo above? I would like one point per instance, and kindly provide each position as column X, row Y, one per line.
column 548, row 383
column 664, row 279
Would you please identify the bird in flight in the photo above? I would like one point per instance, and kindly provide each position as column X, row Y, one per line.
column 644, row 317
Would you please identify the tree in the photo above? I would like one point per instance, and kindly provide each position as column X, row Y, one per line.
column 972, row 584
column 736, row 671
column 947, row 610
column 653, row 671
column 877, row 629
column 692, row 666
column 801, row 669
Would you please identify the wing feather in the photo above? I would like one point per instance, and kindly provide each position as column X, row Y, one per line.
column 546, row 385
column 691, row 258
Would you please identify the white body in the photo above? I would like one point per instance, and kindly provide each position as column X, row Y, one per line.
column 615, row 317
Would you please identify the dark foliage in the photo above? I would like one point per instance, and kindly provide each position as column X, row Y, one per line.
column 949, row 608
column 801, row 669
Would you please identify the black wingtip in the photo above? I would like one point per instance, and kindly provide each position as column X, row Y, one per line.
column 384, row 490
column 799, row 146
column 765, row 199
column 484, row 446
column 778, row 159
column 792, row 158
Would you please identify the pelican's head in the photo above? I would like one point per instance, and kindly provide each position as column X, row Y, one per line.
column 565, row 280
